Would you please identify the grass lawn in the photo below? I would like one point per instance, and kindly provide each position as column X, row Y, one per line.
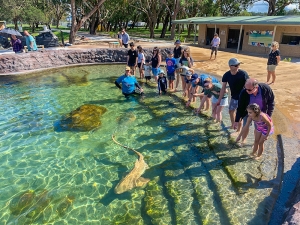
column 135, row 32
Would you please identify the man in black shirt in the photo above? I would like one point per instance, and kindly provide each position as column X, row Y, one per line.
column 177, row 55
column 132, row 58
column 236, row 78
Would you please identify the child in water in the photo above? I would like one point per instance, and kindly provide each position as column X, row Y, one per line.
column 263, row 128
column 162, row 82
column 148, row 70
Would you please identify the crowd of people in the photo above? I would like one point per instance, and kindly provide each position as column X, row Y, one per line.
column 250, row 101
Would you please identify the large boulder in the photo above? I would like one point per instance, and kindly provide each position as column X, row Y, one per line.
column 84, row 118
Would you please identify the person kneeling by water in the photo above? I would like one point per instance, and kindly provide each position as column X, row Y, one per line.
column 129, row 83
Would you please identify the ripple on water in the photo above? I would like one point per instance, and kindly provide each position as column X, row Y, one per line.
column 197, row 176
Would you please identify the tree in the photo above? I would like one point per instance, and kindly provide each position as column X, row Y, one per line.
column 276, row 7
column 13, row 10
column 33, row 15
column 151, row 8
column 80, row 21
column 61, row 8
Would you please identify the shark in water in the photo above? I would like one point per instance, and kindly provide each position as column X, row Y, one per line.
column 133, row 178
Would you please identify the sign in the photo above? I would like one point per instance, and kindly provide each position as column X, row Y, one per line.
column 260, row 38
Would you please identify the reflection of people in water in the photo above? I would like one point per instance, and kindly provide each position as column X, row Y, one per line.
column 129, row 83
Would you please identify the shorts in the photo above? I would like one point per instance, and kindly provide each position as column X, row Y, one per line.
column 271, row 68
column 125, row 45
column 130, row 64
column 171, row 76
column 139, row 65
column 148, row 77
column 224, row 101
column 155, row 71
column 245, row 121
column 177, row 64
column 214, row 49
column 233, row 105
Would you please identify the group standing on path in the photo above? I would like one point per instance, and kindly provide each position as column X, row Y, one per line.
column 250, row 101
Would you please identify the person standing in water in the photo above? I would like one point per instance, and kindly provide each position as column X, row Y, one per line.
column 129, row 83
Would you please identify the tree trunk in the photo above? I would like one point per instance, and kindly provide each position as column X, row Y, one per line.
column 72, row 31
column 151, row 28
column 16, row 23
column 165, row 25
column 157, row 23
column 33, row 27
column 175, row 12
column 190, row 28
column 170, row 24
column 92, row 25
column 76, row 27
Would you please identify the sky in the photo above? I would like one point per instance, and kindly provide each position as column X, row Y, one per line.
column 262, row 6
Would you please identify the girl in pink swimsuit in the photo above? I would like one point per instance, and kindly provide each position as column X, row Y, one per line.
column 263, row 128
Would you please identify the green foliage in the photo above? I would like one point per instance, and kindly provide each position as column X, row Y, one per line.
column 287, row 59
column 181, row 38
column 33, row 15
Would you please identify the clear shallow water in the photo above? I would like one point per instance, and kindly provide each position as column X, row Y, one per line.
column 197, row 176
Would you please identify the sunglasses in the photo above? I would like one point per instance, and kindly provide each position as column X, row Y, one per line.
column 235, row 65
column 249, row 89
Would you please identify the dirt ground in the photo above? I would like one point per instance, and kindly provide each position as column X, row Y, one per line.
column 287, row 96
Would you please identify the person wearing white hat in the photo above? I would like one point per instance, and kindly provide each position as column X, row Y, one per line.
column 190, row 76
column 236, row 78
column 162, row 82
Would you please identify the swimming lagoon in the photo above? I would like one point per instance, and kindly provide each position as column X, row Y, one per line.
column 55, row 176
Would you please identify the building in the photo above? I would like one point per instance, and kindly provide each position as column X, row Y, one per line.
column 250, row 33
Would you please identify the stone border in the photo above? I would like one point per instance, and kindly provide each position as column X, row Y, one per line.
column 12, row 64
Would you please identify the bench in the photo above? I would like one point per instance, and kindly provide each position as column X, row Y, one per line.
column 114, row 44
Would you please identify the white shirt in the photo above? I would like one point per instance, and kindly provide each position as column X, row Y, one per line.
column 141, row 57
column 147, row 71
column 215, row 42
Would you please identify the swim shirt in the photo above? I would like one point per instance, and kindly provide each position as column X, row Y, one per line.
column 128, row 83
column 170, row 62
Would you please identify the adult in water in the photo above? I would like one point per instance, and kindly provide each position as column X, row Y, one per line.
column 129, row 83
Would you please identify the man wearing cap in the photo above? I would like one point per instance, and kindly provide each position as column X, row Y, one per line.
column 132, row 58
column 125, row 38
column 215, row 45
column 129, row 83
column 236, row 78
column 200, row 81
column 254, row 92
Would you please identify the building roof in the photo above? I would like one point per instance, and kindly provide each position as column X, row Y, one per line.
column 243, row 20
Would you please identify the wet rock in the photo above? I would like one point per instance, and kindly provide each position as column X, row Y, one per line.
column 84, row 118
column 22, row 202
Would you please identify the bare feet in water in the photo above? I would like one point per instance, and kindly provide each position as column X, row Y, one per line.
column 258, row 157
